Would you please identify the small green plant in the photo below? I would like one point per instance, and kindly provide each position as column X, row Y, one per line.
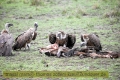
column 96, row 6
column 25, row 1
column 43, row 62
column 112, row 13
column 70, row 17
column 30, row 17
column 64, row 12
column 37, row 2
column 105, row 0
column 78, row 16
column 21, row 66
column 10, row 1
column 80, row 11
column 76, row 0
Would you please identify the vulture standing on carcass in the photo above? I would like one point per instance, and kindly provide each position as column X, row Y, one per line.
column 91, row 40
column 24, row 39
column 62, row 39
column 6, row 41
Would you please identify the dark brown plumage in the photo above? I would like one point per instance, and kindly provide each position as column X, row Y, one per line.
column 24, row 39
column 62, row 39
column 91, row 40
column 6, row 41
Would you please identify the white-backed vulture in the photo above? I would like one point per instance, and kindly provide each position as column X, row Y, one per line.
column 24, row 39
column 6, row 41
column 62, row 39
column 91, row 40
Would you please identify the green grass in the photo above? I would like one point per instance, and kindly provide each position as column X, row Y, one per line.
column 73, row 16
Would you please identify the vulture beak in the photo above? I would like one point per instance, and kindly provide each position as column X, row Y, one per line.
column 36, row 25
column 9, row 25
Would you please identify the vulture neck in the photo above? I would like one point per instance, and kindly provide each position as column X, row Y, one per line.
column 85, row 40
column 6, row 28
column 35, row 28
column 63, row 36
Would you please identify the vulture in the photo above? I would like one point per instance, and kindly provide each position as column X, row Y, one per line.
column 62, row 39
column 91, row 40
column 6, row 41
column 23, row 40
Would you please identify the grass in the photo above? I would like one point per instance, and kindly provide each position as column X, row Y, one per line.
column 75, row 17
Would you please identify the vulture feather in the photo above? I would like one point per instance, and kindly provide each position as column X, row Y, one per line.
column 91, row 40
column 24, row 39
column 6, row 41
column 62, row 39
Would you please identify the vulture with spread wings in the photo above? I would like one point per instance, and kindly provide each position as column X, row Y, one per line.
column 6, row 41
column 24, row 39
column 91, row 40
column 62, row 39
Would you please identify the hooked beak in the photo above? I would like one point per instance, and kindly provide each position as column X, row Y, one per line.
column 9, row 25
column 36, row 24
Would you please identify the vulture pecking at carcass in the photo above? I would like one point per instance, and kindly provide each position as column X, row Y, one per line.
column 91, row 40
column 6, row 41
column 62, row 39
column 23, row 40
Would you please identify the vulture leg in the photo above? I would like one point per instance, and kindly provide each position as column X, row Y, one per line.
column 28, row 45
column 25, row 47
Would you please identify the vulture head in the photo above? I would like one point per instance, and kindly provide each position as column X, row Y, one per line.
column 60, row 35
column 84, row 39
column 7, row 25
column 6, row 41
column 35, row 25
column 91, row 40
column 62, row 39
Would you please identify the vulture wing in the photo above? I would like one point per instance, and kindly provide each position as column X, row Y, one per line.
column 19, row 36
column 34, row 37
column 82, row 38
column 6, row 42
column 95, row 41
column 2, row 44
column 22, row 39
column 19, row 41
column 71, row 41
column 52, row 38
column 9, row 45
